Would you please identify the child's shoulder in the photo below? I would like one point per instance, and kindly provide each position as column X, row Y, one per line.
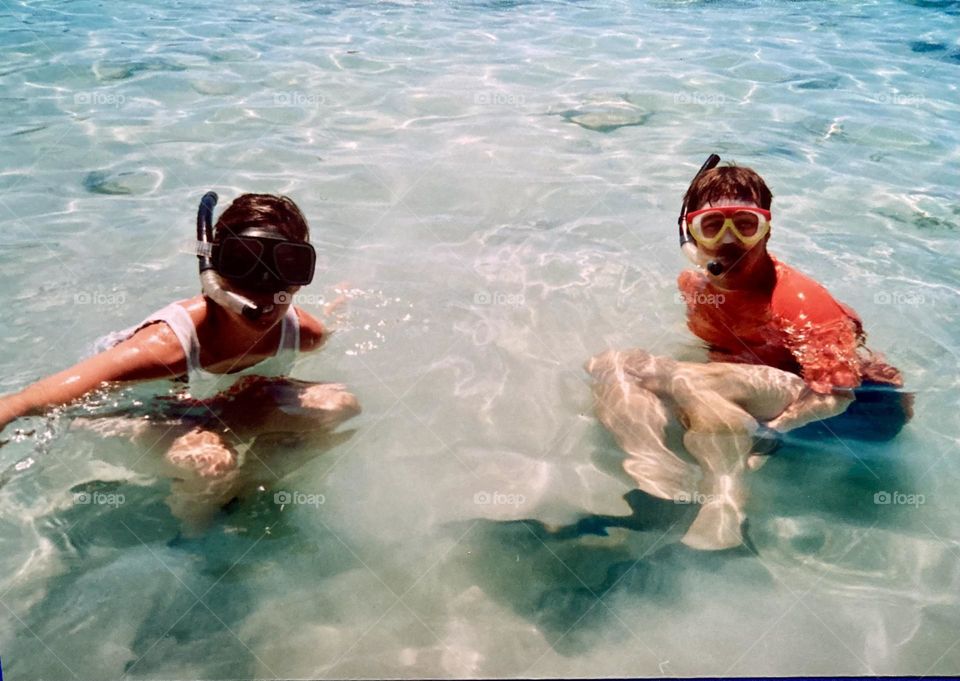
column 163, row 340
column 196, row 307
column 312, row 332
column 799, row 297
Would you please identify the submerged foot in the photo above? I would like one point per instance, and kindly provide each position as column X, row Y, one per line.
column 716, row 527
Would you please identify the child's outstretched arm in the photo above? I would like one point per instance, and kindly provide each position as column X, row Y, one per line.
column 152, row 352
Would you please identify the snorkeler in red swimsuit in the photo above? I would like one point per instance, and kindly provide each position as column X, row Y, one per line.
column 751, row 308
column 789, row 361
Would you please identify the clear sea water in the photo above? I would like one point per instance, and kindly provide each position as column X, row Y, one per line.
column 494, row 187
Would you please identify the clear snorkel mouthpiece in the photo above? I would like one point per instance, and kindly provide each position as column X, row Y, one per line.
column 210, row 283
column 687, row 244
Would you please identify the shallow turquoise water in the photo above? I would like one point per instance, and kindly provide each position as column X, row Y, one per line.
column 494, row 186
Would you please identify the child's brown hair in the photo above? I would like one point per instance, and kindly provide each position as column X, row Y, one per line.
column 728, row 182
column 264, row 211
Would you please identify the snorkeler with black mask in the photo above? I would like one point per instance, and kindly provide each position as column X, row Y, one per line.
column 241, row 334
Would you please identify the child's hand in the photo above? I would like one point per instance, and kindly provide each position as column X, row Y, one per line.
column 332, row 306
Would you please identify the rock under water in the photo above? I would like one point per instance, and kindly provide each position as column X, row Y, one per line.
column 605, row 121
column 127, row 182
column 121, row 70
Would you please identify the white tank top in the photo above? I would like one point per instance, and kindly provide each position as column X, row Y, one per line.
column 205, row 384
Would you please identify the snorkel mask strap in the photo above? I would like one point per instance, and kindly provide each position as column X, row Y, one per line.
column 210, row 283
column 687, row 244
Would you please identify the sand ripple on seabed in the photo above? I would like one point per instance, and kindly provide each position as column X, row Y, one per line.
column 890, row 579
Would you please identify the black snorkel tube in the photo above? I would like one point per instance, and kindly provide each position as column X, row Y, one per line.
column 210, row 283
column 687, row 244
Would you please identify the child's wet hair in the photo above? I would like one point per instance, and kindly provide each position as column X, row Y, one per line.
column 728, row 182
column 264, row 211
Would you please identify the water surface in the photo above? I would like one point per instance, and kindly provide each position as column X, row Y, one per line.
column 494, row 186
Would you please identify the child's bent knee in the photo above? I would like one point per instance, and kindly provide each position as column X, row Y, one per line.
column 202, row 452
column 330, row 397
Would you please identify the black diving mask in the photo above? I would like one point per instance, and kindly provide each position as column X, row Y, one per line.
column 260, row 260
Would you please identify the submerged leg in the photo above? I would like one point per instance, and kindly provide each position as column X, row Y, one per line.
column 718, row 404
column 286, row 405
column 207, row 471
column 637, row 418
column 762, row 391
column 720, row 437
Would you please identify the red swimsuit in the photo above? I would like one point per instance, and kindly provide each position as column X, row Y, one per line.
column 798, row 328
